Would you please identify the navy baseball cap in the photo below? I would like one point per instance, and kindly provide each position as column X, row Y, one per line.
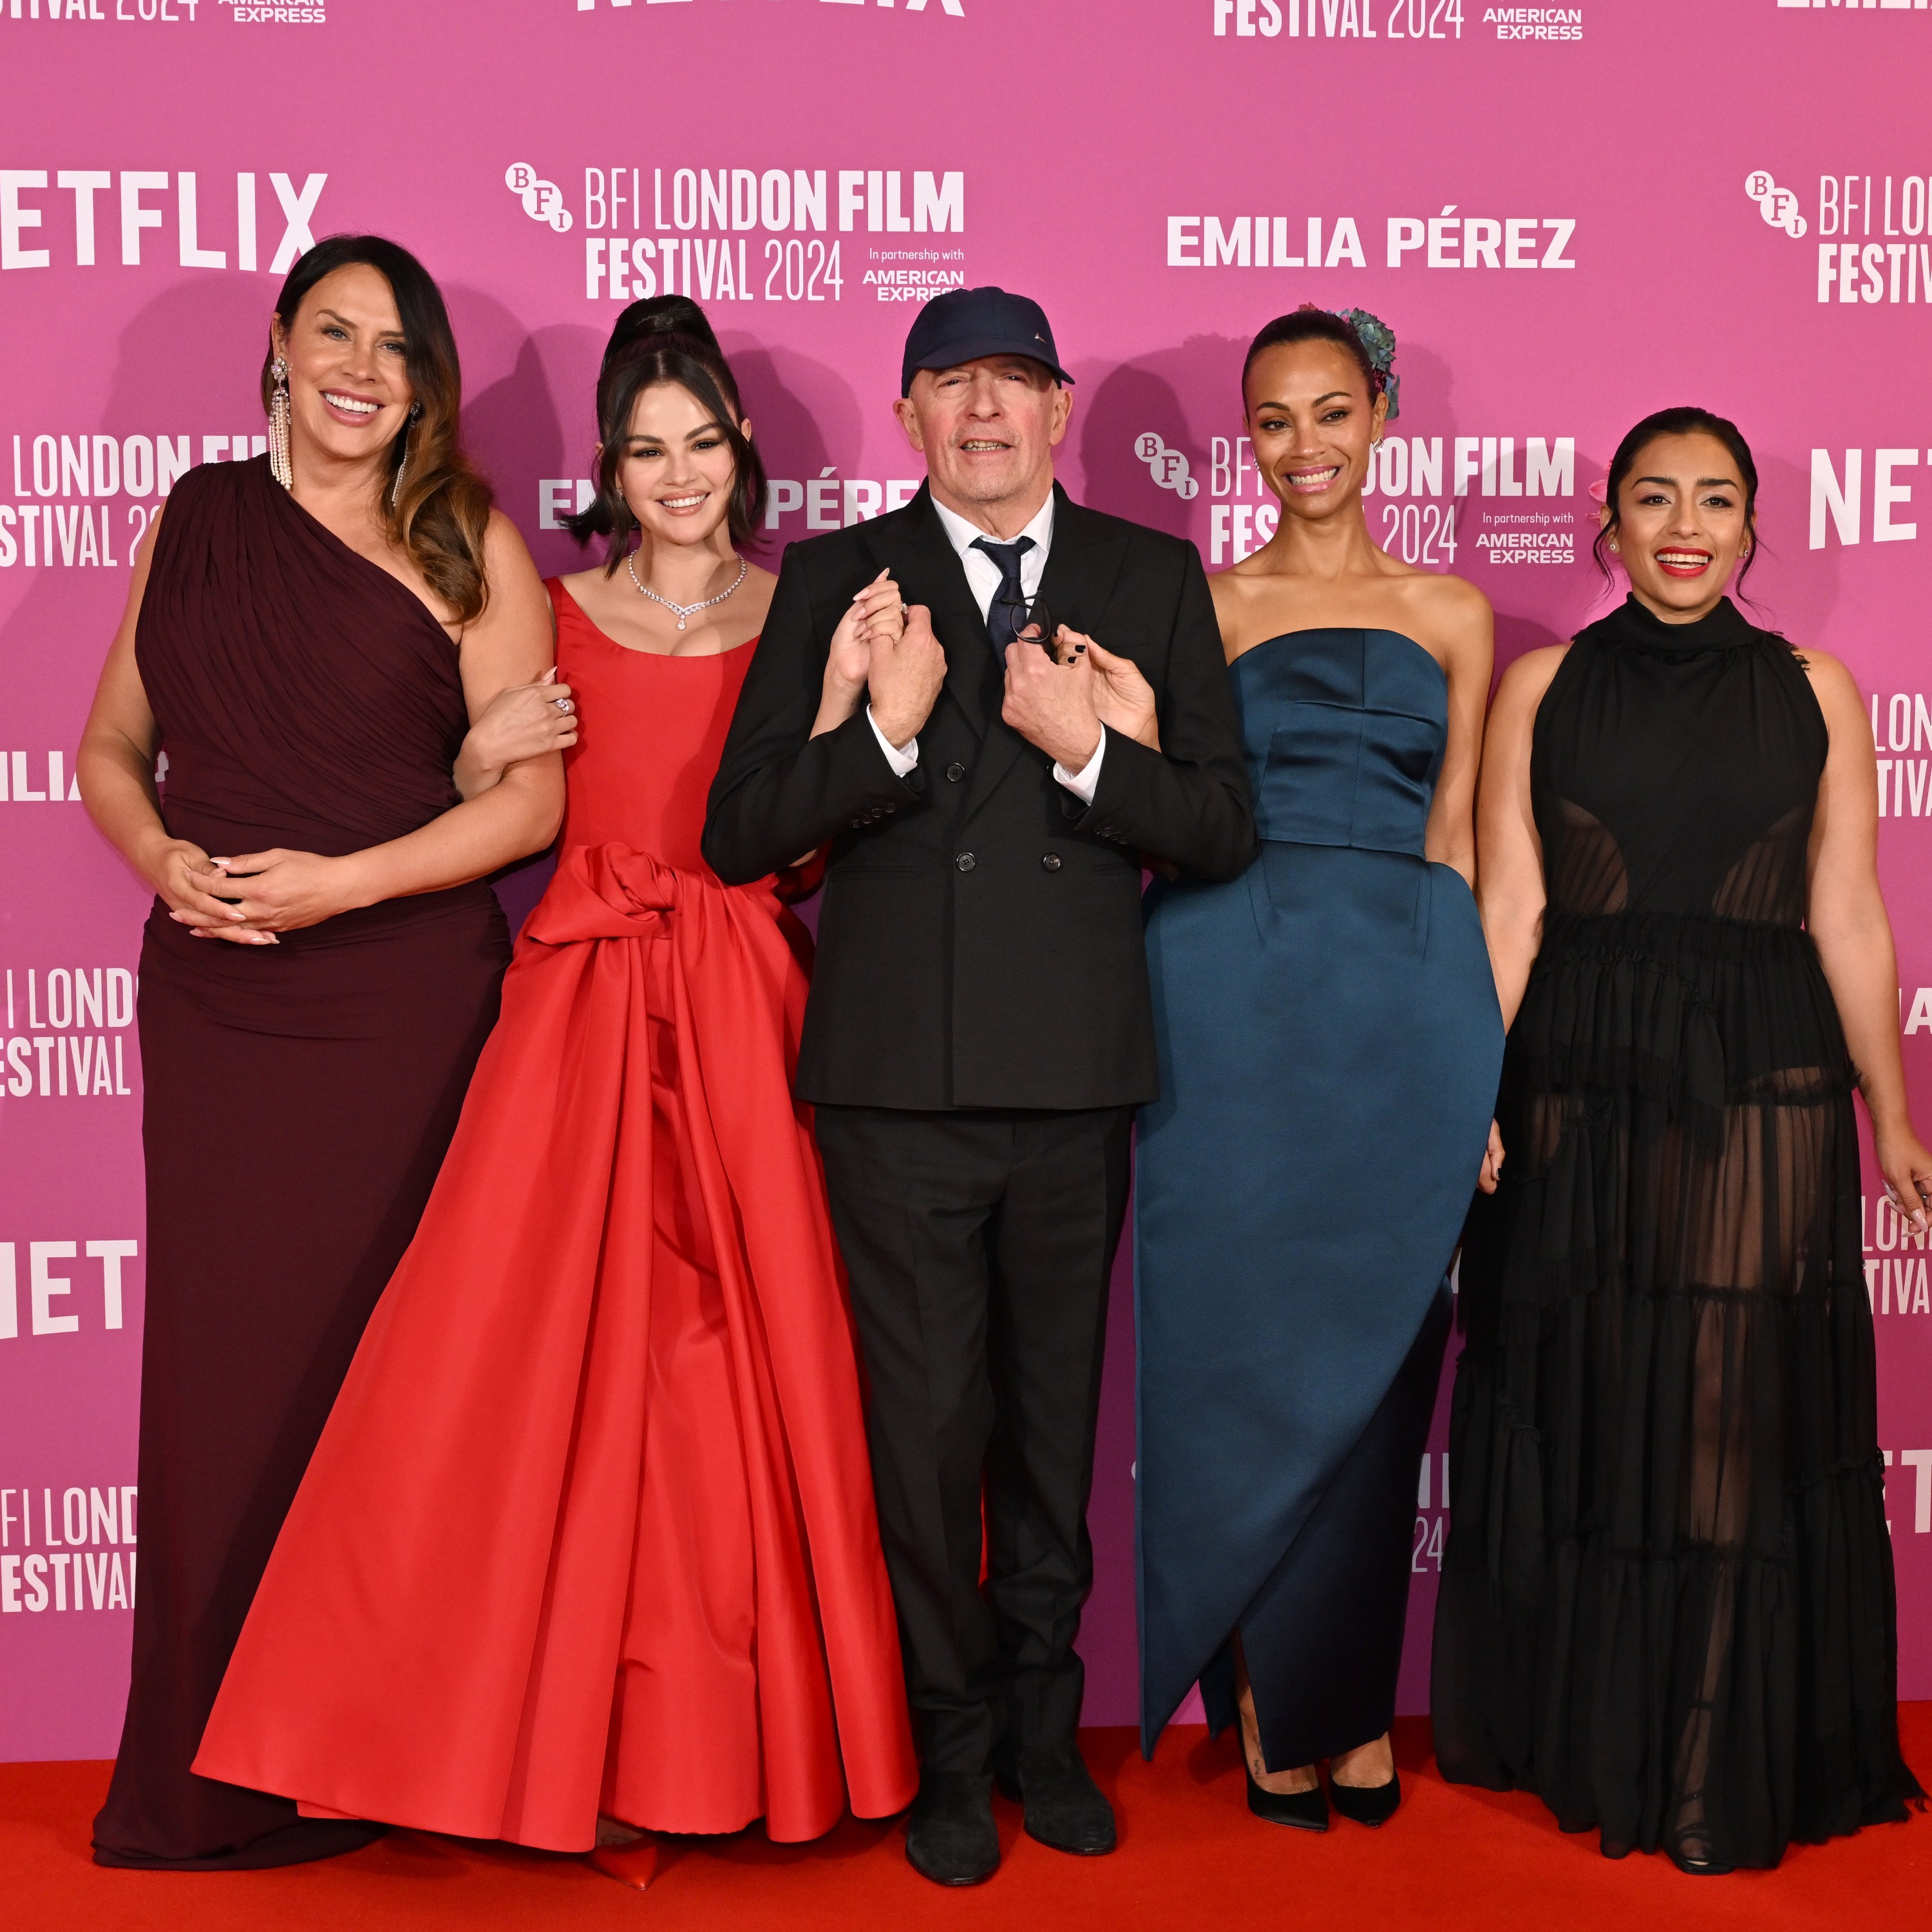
column 964, row 324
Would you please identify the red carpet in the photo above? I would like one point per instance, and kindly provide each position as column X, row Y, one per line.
column 1189, row 1855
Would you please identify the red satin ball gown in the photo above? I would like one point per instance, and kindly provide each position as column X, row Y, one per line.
column 590, row 1528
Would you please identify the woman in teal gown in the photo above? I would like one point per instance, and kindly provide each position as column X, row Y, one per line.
column 1330, row 1043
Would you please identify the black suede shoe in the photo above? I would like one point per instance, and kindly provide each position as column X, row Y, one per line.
column 949, row 1833
column 1064, row 1808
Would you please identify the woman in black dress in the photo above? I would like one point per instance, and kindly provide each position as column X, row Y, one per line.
column 1667, row 1601
column 340, row 648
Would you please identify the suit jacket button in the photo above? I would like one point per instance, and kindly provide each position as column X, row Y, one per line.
column 955, row 771
column 878, row 811
column 1050, row 863
column 965, row 862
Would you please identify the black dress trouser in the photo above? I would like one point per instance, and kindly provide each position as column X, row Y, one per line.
column 979, row 1246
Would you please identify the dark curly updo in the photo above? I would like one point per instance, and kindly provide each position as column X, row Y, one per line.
column 666, row 339
column 1310, row 324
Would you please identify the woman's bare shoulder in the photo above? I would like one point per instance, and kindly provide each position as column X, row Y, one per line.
column 1453, row 600
column 1526, row 678
column 503, row 546
column 1838, row 693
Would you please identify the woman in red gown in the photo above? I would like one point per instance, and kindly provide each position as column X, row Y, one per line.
column 590, row 1530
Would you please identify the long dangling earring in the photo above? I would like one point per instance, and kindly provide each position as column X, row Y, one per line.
column 403, row 461
column 278, row 426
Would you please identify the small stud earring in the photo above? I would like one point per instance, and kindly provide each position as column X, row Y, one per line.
column 1613, row 543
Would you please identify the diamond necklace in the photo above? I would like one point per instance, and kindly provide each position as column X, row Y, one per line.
column 682, row 610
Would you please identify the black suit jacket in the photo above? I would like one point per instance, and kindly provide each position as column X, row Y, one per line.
column 980, row 942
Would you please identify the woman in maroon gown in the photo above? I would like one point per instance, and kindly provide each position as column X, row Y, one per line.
column 307, row 639
column 591, row 1529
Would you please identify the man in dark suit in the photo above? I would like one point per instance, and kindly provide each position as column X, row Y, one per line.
column 979, row 1031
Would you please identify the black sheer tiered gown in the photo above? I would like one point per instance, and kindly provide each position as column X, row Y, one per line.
column 1667, row 1599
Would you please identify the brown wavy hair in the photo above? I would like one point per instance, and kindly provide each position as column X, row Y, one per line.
column 442, row 513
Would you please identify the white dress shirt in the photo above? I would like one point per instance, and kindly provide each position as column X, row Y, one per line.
column 983, row 579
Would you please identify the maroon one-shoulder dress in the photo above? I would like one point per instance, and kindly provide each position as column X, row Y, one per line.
column 298, row 1097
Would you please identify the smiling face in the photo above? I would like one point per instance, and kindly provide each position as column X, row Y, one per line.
column 987, row 430
column 1313, row 425
column 676, row 470
column 1682, row 526
column 349, row 380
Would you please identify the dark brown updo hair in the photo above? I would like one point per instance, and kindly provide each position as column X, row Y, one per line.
column 1310, row 324
column 666, row 339
column 441, row 514
column 1685, row 420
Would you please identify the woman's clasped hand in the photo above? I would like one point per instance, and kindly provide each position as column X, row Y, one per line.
column 275, row 891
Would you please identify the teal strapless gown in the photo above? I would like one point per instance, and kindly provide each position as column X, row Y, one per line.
column 1330, row 1044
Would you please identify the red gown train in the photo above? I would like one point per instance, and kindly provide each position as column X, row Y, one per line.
column 590, row 1527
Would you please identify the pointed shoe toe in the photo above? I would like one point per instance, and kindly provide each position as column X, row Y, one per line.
column 1306, row 1811
column 1368, row 1804
column 633, row 1864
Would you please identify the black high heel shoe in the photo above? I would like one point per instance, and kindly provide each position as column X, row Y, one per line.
column 1307, row 1810
column 1369, row 1804
column 1689, row 1845
column 1698, row 1867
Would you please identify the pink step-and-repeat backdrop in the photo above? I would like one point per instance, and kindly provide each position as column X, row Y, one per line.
column 1569, row 214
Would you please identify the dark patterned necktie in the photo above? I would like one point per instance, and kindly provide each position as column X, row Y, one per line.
column 1006, row 615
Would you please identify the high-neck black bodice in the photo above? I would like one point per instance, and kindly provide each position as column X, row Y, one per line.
column 1675, row 769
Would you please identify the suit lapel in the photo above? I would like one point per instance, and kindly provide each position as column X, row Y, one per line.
column 920, row 556
column 1081, row 564
column 1086, row 557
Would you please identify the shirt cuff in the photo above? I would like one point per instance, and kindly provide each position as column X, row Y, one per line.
column 903, row 757
column 1085, row 782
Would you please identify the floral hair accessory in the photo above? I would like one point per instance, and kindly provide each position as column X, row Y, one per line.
column 1378, row 339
